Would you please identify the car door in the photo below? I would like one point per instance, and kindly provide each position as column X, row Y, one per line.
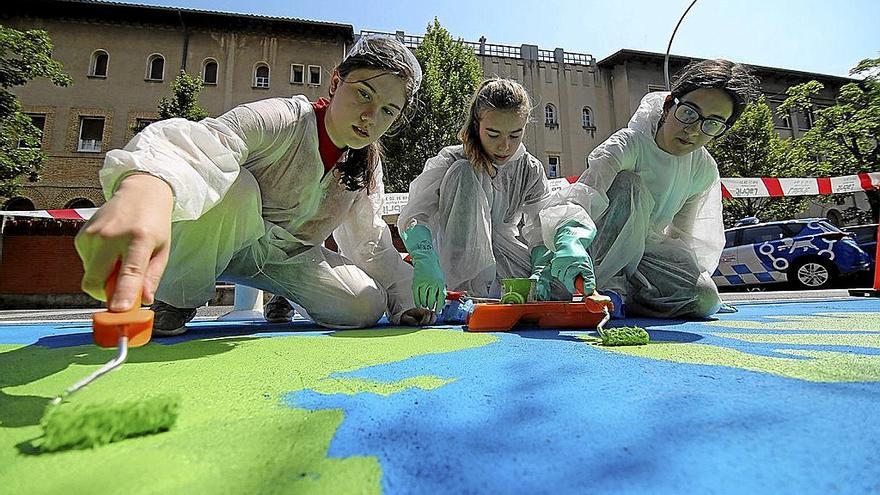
column 724, row 275
column 760, row 255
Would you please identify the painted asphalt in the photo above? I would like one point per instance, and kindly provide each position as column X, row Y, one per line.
column 781, row 397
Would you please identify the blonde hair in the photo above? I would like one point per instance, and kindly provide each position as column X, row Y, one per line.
column 493, row 94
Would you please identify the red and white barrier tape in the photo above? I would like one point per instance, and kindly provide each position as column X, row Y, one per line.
column 763, row 187
column 769, row 187
column 71, row 214
column 774, row 188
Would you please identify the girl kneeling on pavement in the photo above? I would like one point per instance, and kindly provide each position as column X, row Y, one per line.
column 481, row 211
column 250, row 196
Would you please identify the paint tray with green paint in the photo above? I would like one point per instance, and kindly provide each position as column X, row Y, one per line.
column 503, row 317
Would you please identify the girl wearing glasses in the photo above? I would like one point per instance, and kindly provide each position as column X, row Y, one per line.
column 655, row 194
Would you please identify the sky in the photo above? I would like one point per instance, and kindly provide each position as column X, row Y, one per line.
column 822, row 36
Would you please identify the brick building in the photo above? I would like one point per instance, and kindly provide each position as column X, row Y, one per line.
column 123, row 58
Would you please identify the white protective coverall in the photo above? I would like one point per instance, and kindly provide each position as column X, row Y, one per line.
column 659, row 218
column 475, row 219
column 252, row 205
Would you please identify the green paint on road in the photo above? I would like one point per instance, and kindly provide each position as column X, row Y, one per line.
column 817, row 365
column 234, row 434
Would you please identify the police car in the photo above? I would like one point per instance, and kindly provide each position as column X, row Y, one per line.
column 866, row 237
column 808, row 253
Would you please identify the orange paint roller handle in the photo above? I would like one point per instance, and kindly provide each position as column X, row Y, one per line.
column 108, row 326
column 579, row 285
column 595, row 301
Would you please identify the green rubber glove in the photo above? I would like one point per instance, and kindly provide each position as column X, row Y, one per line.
column 429, row 285
column 541, row 257
column 571, row 259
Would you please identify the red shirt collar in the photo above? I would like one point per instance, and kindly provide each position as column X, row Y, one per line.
column 330, row 154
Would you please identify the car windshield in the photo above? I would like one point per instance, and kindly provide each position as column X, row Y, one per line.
column 762, row 233
column 777, row 231
column 864, row 233
column 810, row 228
column 827, row 227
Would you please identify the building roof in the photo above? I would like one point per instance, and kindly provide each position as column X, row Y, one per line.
column 97, row 10
column 625, row 55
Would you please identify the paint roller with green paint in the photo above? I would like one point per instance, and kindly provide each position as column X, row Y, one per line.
column 67, row 425
column 520, row 291
column 614, row 336
column 621, row 336
column 80, row 426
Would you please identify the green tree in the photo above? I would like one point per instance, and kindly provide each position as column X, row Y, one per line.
column 24, row 55
column 185, row 100
column 451, row 73
column 845, row 137
column 753, row 148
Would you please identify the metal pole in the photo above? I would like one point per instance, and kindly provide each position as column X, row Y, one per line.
column 669, row 47
column 875, row 291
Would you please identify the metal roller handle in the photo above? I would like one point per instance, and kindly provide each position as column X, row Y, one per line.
column 110, row 366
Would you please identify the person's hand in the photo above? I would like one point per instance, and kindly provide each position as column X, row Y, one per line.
column 540, row 257
column 429, row 285
column 567, row 265
column 418, row 317
column 134, row 226
column 571, row 258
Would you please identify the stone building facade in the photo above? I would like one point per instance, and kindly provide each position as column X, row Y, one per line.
column 122, row 59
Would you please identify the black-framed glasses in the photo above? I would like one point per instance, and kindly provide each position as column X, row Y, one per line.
column 688, row 114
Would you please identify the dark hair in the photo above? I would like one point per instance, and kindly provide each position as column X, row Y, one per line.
column 386, row 54
column 734, row 79
column 493, row 94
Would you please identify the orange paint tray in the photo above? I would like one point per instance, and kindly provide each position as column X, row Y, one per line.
column 497, row 317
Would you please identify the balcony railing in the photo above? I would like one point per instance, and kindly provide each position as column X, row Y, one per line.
column 502, row 51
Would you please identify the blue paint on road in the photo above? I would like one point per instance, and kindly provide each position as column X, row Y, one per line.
column 542, row 412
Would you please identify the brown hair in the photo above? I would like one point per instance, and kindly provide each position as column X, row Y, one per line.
column 386, row 54
column 493, row 94
column 734, row 79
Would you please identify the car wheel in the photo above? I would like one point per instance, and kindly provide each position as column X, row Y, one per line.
column 812, row 274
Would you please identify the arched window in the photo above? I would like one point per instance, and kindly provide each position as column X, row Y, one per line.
column 587, row 118
column 98, row 64
column 209, row 71
column 156, row 67
column 550, row 116
column 261, row 75
column 79, row 203
column 19, row 204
